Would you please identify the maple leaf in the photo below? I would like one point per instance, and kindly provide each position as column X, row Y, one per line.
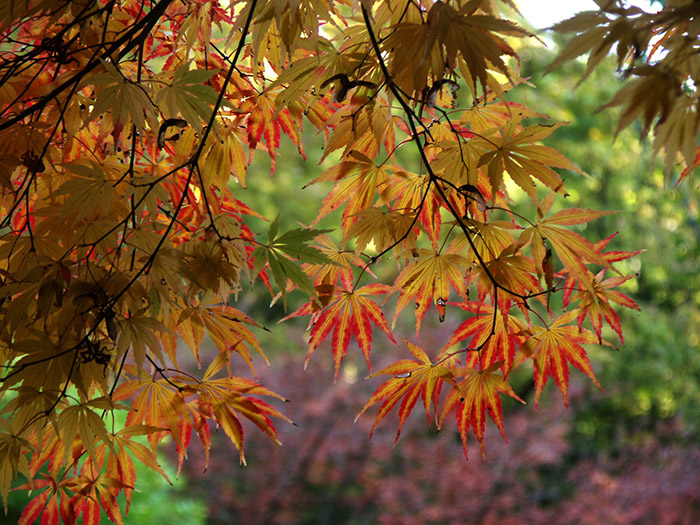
column 127, row 101
column 356, row 183
column 492, row 336
column 489, row 239
column 512, row 272
column 52, row 504
column 572, row 285
column 552, row 348
column 224, row 158
column 340, row 267
column 412, row 379
column 139, row 333
column 409, row 191
column 428, row 280
column 95, row 491
column 472, row 397
column 491, row 113
column 226, row 398
column 306, row 72
column 517, row 153
column 572, row 249
column 423, row 49
column 120, row 463
column 265, row 121
column 456, row 162
column 595, row 303
column 81, row 421
column 381, row 228
column 349, row 313
column 225, row 325
column 13, row 459
column 158, row 404
column 187, row 93
column 594, row 38
column 281, row 250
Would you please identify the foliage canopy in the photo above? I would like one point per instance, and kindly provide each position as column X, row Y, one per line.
column 126, row 131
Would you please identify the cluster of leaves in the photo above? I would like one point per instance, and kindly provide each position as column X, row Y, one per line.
column 126, row 130
column 659, row 52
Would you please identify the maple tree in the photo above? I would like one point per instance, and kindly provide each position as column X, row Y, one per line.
column 126, row 131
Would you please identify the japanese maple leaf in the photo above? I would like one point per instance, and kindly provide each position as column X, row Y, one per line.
column 120, row 464
column 472, row 397
column 409, row 191
column 52, row 504
column 265, row 122
column 490, row 339
column 95, row 491
column 412, row 379
column 595, row 299
column 572, row 285
column 513, row 272
column 553, row 348
column 349, row 312
column 340, row 266
column 227, row 398
column 356, row 182
column 595, row 303
column 615, row 255
column 517, row 153
column 428, row 280
column 226, row 327
column 157, row 403
column 489, row 239
column 573, row 250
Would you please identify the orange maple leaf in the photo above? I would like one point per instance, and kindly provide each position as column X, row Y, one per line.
column 511, row 271
column 517, row 153
column 553, row 348
column 595, row 303
column 573, row 250
column 595, row 299
column 428, row 280
column 52, row 504
column 356, row 182
column 473, row 397
column 411, row 379
column 157, row 404
column 120, row 464
column 409, row 191
column 490, row 339
column 349, row 312
column 265, row 122
column 227, row 398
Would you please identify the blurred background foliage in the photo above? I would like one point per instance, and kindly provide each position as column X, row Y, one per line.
column 626, row 454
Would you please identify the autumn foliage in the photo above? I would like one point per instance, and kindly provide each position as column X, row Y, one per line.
column 126, row 133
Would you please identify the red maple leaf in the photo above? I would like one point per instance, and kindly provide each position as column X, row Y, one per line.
column 412, row 379
column 349, row 312
column 474, row 396
column 552, row 348
column 489, row 339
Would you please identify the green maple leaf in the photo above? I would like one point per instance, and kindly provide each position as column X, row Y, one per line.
column 283, row 254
